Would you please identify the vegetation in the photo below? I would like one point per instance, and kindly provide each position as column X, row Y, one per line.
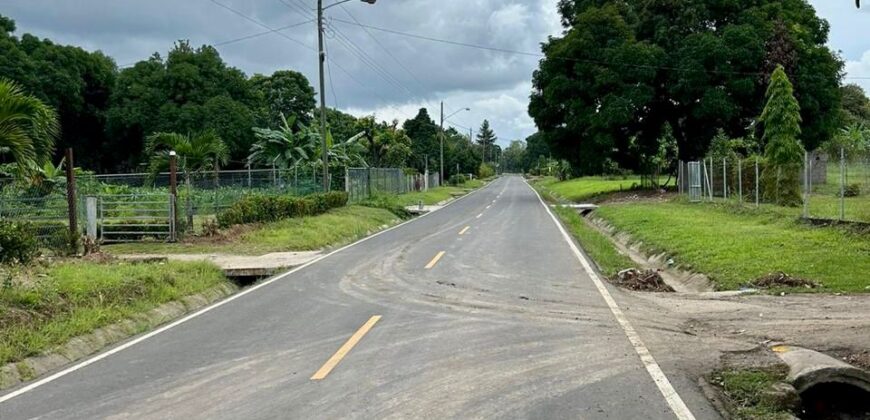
column 745, row 389
column 268, row 208
column 46, row 307
column 587, row 188
column 332, row 229
column 197, row 153
column 784, row 154
column 433, row 196
column 485, row 171
column 28, row 127
column 17, row 242
column 597, row 246
column 486, row 139
column 758, row 242
column 621, row 70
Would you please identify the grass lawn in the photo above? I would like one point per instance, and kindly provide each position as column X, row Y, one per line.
column 334, row 228
column 735, row 245
column 56, row 303
column 589, row 187
column 596, row 245
column 437, row 195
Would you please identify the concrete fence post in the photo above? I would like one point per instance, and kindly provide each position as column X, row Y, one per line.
column 71, row 200
column 740, row 180
column 724, row 178
column 91, row 216
column 842, row 183
column 806, row 212
column 756, row 182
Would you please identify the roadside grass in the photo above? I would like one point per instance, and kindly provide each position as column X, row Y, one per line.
column 596, row 245
column 431, row 197
column 745, row 390
column 62, row 301
column 735, row 245
column 334, row 228
column 585, row 188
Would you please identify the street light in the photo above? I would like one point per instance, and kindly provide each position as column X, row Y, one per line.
column 321, row 59
column 442, row 134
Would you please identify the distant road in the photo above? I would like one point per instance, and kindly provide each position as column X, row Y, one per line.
column 479, row 310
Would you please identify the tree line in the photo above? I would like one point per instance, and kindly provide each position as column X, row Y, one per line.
column 127, row 119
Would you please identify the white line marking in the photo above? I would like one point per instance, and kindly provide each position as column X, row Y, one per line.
column 479, row 216
column 216, row 305
column 487, row 207
column 655, row 371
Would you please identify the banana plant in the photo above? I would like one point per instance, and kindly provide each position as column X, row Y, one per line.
column 284, row 148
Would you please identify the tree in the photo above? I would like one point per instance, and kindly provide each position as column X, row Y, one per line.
column 196, row 153
column 486, row 138
column 856, row 106
column 783, row 152
column 285, row 92
column 386, row 144
column 423, row 133
column 290, row 146
column 28, row 127
column 621, row 70
column 514, row 157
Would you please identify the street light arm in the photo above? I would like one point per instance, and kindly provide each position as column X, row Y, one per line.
column 345, row 1
column 463, row 109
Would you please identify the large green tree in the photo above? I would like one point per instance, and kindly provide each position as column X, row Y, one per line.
column 285, row 92
column 486, row 138
column 423, row 133
column 856, row 106
column 621, row 70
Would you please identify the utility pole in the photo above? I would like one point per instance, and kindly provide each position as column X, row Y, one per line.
column 442, row 143
column 321, row 57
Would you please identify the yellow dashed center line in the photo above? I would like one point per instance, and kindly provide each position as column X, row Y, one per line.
column 462, row 232
column 435, row 260
column 345, row 349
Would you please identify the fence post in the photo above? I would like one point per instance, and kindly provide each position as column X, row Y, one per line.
column 173, row 191
column 725, row 178
column 842, row 183
column 740, row 181
column 756, row 181
column 91, row 214
column 806, row 185
column 249, row 175
column 71, row 200
column 347, row 180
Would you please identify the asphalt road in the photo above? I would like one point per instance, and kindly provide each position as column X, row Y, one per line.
column 506, row 323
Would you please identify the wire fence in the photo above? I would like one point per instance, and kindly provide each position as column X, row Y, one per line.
column 141, row 206
column 833, row 187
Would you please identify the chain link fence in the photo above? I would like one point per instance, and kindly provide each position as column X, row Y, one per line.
column 834, row 187
column 43, row 204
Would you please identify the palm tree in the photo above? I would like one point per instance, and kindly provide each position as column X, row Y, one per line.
column 283, row 148
column 28, row 127
column 197, row 153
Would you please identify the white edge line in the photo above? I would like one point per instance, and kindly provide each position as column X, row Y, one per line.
column 216, row 305
column 655, row 371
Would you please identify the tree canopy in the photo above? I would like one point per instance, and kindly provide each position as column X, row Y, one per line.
column 621, row 70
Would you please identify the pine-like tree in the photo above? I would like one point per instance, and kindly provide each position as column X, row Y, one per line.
column 783, row 152
column 486, row 138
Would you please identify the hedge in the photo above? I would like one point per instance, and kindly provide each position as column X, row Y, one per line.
column 267, row 208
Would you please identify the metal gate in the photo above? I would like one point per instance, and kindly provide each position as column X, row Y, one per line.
column 131, row 218
column 695, row 189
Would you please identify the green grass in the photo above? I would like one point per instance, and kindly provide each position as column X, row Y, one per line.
column 745, row 388
column 431, row 197
column 74, row 298
column 735, row 245
column 334, row 228
column 596, row 245
column 586, row 188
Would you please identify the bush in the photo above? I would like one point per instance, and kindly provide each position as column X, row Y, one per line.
column 485, row 171
column 387, row 202
column 17, row 242
column 267, row 208
column 457, row 180
column 852, row 190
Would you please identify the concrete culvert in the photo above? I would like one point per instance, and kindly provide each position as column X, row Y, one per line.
column 829, row 388
column 834, row 400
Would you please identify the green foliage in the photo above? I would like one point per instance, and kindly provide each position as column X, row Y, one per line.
column 852, row 190
column 485, row 171
column 746, row 389
column 286, row 92
column 195, row 153
column 595, row 244
column 853, row 140
column 783, row 152
column 514, row 157
column 622, row 69
column 258, row 208
column 856, row 106
column 17, row 242
column 293, row 144
column 387, row 202
column 457, row 179
column 28, row 127
column 423, row 133
column 486, row 139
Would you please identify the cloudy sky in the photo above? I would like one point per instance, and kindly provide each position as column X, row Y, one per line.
column 372, row 71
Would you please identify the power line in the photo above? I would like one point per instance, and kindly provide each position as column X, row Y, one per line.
column 329, row 73
column 259, row 34
column 257, row 22
column 541, row 55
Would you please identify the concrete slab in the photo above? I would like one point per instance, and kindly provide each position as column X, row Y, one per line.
column 238, row 265
column 423, row 209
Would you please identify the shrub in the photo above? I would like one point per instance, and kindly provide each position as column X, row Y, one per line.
column 266, row 208
column 852, row 190
column 457, row 180
column 387, row 202
column 485, row 171
column 17, row 242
